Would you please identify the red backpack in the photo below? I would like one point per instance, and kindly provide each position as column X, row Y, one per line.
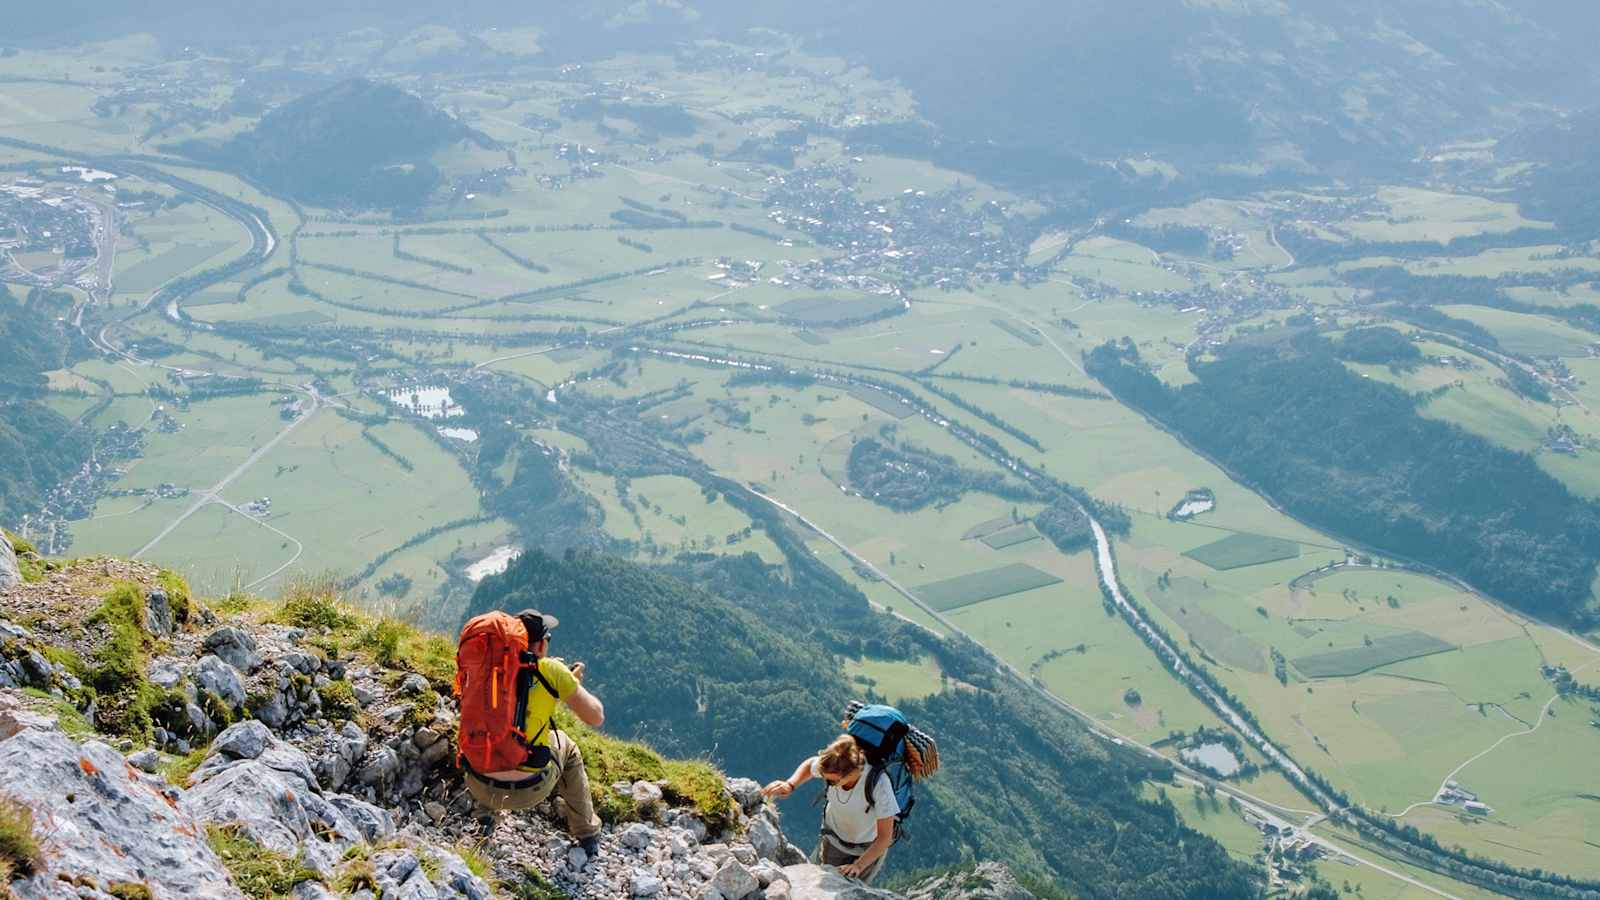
column 494, row 672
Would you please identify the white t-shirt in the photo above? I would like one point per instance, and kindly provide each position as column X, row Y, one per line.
column 847, row 815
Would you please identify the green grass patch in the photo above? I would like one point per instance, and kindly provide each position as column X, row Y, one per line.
column 896, row 680
column 258, row 872
column 1019, row 332
column 609, row 760
column 19, row 848
column 818, row 310
column 300, row 319
column 1010, row 537
column 976, row 587
column 987, row 527
column 1376, row 652
column 178, row 769
column 1237, row 551
column 151, row 273
column 125, row 699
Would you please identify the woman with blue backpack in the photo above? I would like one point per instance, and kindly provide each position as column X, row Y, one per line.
column 870, row 771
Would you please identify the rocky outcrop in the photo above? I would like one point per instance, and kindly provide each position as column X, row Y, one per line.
column 10, row 572
column 986, row 881
column 809, row 882
column 342, row 769
column 105, row 823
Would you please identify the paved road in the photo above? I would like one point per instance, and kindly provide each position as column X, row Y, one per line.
column 212, row 495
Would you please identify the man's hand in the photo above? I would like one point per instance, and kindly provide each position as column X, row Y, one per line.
column 577, row 671
column 778, row 790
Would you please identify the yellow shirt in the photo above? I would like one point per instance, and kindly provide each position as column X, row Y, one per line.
column 541, row 706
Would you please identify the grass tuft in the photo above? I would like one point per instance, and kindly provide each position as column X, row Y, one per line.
column 694, row 783
column 339, row 701
column 125, row 698
column 19, row 848
column 19, row 543
column 398, row 644
column 314, row 605
column 178, row 769
column 258, row 872
column 178, row 596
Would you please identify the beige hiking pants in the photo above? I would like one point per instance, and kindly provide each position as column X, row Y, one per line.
column 565, row 776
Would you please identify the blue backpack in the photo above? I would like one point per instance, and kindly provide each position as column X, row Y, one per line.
column 894, row 750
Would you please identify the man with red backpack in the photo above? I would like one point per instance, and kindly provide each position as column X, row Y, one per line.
column 509, row 748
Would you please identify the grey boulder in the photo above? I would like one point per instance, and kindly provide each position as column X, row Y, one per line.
column 217, row 677
column 160, row 617
column 246, row 740
column 809, row 882
column 989, row 881
column 235, row 647
column 10, row 573
column 118, row 826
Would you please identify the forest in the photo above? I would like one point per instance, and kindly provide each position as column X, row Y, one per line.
column 358, row 142
column 1352, row 456
column 38, row 447
column 1021, row 782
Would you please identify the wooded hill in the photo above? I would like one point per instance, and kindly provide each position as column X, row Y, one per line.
column 1353, row 457
column 38, row 446
column 358, row 143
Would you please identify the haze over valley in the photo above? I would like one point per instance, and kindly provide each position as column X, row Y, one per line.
column 1185, row 409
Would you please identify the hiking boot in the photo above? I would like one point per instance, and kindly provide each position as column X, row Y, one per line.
column 590, row 845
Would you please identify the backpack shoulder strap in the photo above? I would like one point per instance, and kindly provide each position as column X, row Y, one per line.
column 532, row 662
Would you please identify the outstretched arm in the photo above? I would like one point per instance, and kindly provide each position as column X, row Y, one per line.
column 782, row 789
column 586, row 706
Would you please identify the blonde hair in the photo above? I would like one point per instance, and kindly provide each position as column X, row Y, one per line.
column 841, row 758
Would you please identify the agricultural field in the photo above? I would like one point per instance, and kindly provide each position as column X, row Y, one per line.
column 629, row 281
column 976, row 587
column 1237, row 551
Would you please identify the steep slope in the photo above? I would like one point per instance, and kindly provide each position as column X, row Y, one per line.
column 740, row 664
column 120, row 775
column 1565, row 185
column 38, row 447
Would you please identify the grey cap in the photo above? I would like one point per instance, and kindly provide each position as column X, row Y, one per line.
column 538, row 624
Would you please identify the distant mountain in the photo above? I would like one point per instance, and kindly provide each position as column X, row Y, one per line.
column 1565, row 186
column 358, row 143
column 1250, row 85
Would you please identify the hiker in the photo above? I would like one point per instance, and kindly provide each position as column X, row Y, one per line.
column 856, row 833
column 509, row 748
column 871, row 771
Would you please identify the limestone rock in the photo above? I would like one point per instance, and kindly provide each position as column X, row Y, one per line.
column 746, row 792
column 118, row 827
column 15, row 716
column 765, row 838
column 246, row 740
column 10, row 572
column 809, row 882
column 235, row 647
column 218, row 677
column 638, row 836
column 645, row 794
column 145, row 760
column 734, row 881
column 989, row 881
column 160, row 618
